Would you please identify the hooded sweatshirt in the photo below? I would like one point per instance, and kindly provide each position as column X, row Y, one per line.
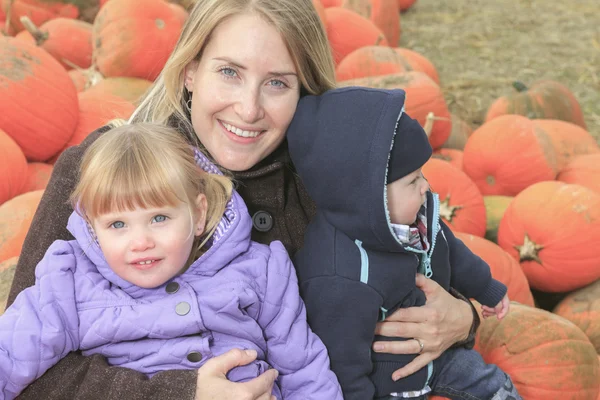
column 353, row 270
column 238, row 294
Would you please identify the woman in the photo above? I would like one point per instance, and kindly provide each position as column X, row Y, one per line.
column 231, row 86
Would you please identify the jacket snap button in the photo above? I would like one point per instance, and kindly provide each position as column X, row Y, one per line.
column 262, row 221
column 194, row 357
column 172, row 287
column 182, row 308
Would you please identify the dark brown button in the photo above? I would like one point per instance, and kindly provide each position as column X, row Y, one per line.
column 194, row 357
column 182, row 308
column 172, row 287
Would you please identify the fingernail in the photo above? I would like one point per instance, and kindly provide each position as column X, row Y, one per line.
column 251, row 353
column 396, row 377
column 378, row 347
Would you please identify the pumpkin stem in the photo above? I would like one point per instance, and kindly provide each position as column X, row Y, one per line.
column 447, row 211
column 529, row 251
column 8, row 12
column 91, row 74
column 520, row 86
column 429, row 120
column 39, row 36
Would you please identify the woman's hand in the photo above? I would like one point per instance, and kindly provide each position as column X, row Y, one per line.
column 441, row 322
column 214, row 385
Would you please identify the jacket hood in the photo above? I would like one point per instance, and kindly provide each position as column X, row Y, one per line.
column 340, row 144
column 231, row 238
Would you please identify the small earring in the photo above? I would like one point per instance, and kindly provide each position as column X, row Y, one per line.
column 188, row 104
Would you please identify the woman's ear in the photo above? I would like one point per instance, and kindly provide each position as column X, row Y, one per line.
column 201, row 208
column 189, row 74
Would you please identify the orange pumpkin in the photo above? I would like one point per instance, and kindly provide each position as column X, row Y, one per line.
column 582, row 308
column 125, row 30
column 553, row 230
column 546, row 356
column 461, row 203
column 460, row 133
column 15, row 219
column 96, row 109
column 569, row 140
column 582, row 170
column 7, row 273
column 452, row 156
column 542, row 100
column 348, row 31
column 13, row 168
column 383, row 13
column 371, row 61
column 129, row 89
column 84, row 79
column 38, row 175
column 508, row 154
column 419, row 62
column 503, row 267
column 423, row 97
column 37, row 98
column 40, row 11
column 69, row 41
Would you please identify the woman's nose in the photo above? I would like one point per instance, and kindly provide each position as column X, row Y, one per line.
column 249, row 107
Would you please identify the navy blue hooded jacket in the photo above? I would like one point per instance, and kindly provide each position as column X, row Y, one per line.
column 352, row 269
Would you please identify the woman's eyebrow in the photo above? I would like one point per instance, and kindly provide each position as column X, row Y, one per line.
column 240, row 66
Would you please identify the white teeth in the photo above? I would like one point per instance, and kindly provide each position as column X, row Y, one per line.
column 240, row 132
column 145, row 262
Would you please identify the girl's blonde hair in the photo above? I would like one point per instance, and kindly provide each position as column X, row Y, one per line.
column 300, row 28
column 147, row 165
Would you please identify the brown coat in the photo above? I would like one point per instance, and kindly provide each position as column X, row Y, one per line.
column 272, row 187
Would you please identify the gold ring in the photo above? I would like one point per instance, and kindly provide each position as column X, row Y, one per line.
column 420, row 345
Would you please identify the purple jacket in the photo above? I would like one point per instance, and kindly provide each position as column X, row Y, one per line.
column 239, row 294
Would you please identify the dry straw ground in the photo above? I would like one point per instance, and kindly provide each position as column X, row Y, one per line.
column 481, row 46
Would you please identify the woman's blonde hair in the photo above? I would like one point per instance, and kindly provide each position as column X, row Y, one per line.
column 147, row 165
column 300, row 28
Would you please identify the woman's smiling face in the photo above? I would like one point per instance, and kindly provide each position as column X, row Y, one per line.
column 245, row 91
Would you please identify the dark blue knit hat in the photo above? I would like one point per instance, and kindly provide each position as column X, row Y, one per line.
column 410, row 150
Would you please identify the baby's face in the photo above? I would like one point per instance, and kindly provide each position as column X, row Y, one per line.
column 405, row 197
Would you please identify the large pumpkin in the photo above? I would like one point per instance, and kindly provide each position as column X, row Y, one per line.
column 582, row 307
column 546, row 356
column 15, row 219
column 454, row 157
column 133, row 38
column 371, row 61
column 508, row 154
column 569, row 140
column 37, row 98
column 419, row 62
column 553, row 230
column 542, row 100
column 69, row 41
column 461, row 203
column 423, row 97
column 96, row 109
column 503, row 267
column 13, row 168
column 348, row 31
column 582, row 170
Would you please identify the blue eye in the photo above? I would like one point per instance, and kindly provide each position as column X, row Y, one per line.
column 229, row 72
column 277, row 83
column 117, row 225
column 159, row 218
